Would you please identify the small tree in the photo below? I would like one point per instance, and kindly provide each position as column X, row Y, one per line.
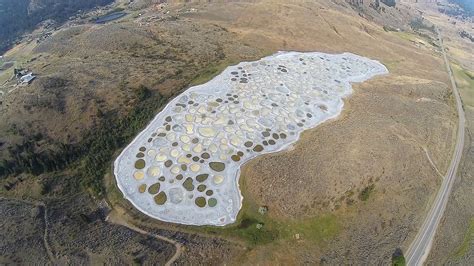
column 143, row 93
column 397, row 258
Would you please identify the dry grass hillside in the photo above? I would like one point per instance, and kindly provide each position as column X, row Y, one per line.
column 454, row 242
column 388, row 124
column 365, row 179
column 356, row 172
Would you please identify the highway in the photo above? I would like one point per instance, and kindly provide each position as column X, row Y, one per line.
column 420, row 247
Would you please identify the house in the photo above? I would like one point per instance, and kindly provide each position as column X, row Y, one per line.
column 28, row 78
column 23, row 76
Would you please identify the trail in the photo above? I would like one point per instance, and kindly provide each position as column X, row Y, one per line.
column 116, row 219
column 432, row 163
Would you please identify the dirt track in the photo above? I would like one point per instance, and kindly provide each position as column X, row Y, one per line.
column 116, row 219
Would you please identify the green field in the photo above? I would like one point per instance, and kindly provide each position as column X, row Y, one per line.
column 465, row 82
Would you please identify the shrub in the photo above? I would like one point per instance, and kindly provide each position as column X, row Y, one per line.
column 418, row 24
column 398, row 259
column 365, row 193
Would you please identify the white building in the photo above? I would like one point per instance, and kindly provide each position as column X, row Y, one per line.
column 28, row 78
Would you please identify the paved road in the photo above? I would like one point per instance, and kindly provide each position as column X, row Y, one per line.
column 420, row 247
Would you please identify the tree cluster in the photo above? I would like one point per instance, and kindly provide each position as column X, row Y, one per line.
column 92, row 156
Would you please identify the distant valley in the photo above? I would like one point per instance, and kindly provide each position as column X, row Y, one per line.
column 20, row 16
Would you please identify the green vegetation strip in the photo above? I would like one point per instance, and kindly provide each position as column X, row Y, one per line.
column 468, row 238
column 259, row 229
column 365, row 193
column 465, row 82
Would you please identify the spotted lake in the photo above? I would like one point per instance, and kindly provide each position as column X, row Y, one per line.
column 184, row 166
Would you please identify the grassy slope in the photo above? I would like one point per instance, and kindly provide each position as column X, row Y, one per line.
column 465, row 81
column 468, row 238
column 315, row 230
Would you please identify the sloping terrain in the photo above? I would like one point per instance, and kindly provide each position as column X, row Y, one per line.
column 21, row 16
column 35, row 233
column 22, row 233
column 368, row 176
column 454, row 241
column 349, row 163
